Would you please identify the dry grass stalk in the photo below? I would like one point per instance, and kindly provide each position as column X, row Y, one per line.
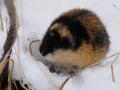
column 15, row 84
column 10, row 75
column 64, row 82
column 24, row 87
column 112, row 70
column 118, row 53
column 1, row 23
column 7, row 25
column 17, row 20
column 112, row 74
column 31, row 45
column 3, row 64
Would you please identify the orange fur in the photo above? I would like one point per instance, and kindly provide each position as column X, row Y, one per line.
column 62, row 30
column 82, row 58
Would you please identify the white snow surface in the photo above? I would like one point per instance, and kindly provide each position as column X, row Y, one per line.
column 35, row 16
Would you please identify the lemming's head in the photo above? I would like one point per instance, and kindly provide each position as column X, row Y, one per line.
column 64, row 33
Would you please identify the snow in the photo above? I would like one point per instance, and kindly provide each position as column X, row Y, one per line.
column 35, row 17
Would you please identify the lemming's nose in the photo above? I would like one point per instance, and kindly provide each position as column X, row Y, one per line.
column 43, row 53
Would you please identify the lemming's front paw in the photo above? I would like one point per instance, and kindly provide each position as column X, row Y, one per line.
column 63, row 70
column 52, row 69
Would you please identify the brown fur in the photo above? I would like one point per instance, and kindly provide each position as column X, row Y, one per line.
column 62, row 30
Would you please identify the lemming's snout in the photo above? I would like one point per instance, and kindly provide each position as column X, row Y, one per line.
column 42, row 50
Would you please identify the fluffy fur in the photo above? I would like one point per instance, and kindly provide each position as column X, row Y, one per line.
column 75, row 40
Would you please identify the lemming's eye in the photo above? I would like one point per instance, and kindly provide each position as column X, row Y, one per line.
column 52, row 33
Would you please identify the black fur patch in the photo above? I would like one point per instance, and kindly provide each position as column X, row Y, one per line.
column 101, row 39
column 50, row 41
column 76, row 28
column 64, row 43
